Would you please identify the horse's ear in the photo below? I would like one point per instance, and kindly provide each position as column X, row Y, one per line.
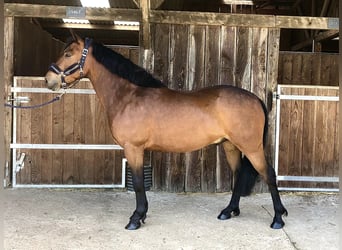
column 75, row 37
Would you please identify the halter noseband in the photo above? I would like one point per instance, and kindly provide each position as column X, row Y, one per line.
column 74, row 67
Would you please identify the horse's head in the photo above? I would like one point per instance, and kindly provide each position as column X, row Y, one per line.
column 71, row 66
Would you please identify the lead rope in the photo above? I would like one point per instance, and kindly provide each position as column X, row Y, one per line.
column 57, row 98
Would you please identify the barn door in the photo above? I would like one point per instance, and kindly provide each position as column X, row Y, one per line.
column 63, row 144
column 306, row 151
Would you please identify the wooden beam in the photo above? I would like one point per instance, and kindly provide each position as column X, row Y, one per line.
column 295, row 22
column 329, row 34
column 145, row 27
column 243, row 20
column 206, row 18
column 8, row 80
column 59, row 12
column 178, row 17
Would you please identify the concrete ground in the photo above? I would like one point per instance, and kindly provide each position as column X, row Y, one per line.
column 79, row 219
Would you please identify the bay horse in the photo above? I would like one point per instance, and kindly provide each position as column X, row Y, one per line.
column 143, row 114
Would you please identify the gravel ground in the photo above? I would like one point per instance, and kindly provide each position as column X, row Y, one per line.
column 95, row 219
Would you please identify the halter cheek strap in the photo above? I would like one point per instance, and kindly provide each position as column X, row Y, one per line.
column 74, row 67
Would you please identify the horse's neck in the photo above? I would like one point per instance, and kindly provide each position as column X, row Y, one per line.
column 110, row 88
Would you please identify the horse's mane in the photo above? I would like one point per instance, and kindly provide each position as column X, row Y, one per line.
column 123, row 67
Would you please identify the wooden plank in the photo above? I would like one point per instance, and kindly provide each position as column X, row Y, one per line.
column 325, row 75
column 243, row 58
column 159, row 170
column 161, row 52
column 212, row 55
column 208, row 169
column 211, row 64
column 179, row 68
column 296, row 70
column 8, row 79
column 57, row 138
column 90, row 135
column 296, row 131
column 259, row 62
column 99, row 164
column 68, row 131
column 309, row 135
column 330, row 117
column 227, row 55
column 287, row 69
column 316, row 74
column 321, row 138
column 195, row 80
column 193, row 171
column 36, row 135
column 271, row 86
column 306, row 69
column 46, row 137
column 24, row 136
column 224, row 174
column 285, row 137
column 196, row 48
column 336, row 168
column 79, row 136
column 334, row 68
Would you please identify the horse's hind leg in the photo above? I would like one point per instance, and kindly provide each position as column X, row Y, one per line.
column 233, row 155
column 267, row 172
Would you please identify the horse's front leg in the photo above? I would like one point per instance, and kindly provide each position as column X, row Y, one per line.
column 135, row 161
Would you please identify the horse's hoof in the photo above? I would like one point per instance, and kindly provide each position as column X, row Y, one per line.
column 224, row 216
column 133, row 225
column 277, row 225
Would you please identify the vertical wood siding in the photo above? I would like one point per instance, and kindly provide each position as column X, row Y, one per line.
column 309, row 137
column 188, row 57
column 300, row 68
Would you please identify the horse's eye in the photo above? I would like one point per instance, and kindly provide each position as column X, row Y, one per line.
column 67, row 54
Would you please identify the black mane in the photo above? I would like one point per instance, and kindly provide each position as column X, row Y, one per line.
column 123, row 67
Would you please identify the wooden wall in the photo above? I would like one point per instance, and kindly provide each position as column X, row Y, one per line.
column 28, row 51
column 34, row 49
column 75, row 119
column 188, row 57
column 309, row 137
column 300, row 68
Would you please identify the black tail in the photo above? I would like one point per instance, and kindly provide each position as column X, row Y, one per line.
column 266, row 121
column 246, row 176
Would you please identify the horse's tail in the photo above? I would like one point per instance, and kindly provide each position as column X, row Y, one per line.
column 247, row 174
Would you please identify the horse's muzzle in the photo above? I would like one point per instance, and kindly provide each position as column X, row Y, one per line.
column 53, row 82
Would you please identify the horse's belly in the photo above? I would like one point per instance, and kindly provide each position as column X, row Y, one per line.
column 184, row 139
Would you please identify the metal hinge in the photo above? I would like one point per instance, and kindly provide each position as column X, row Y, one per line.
column 19, row 99
column 19, row 165
column 276, row 96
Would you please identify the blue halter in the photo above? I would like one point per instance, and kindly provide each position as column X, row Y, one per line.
column 74, row 67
